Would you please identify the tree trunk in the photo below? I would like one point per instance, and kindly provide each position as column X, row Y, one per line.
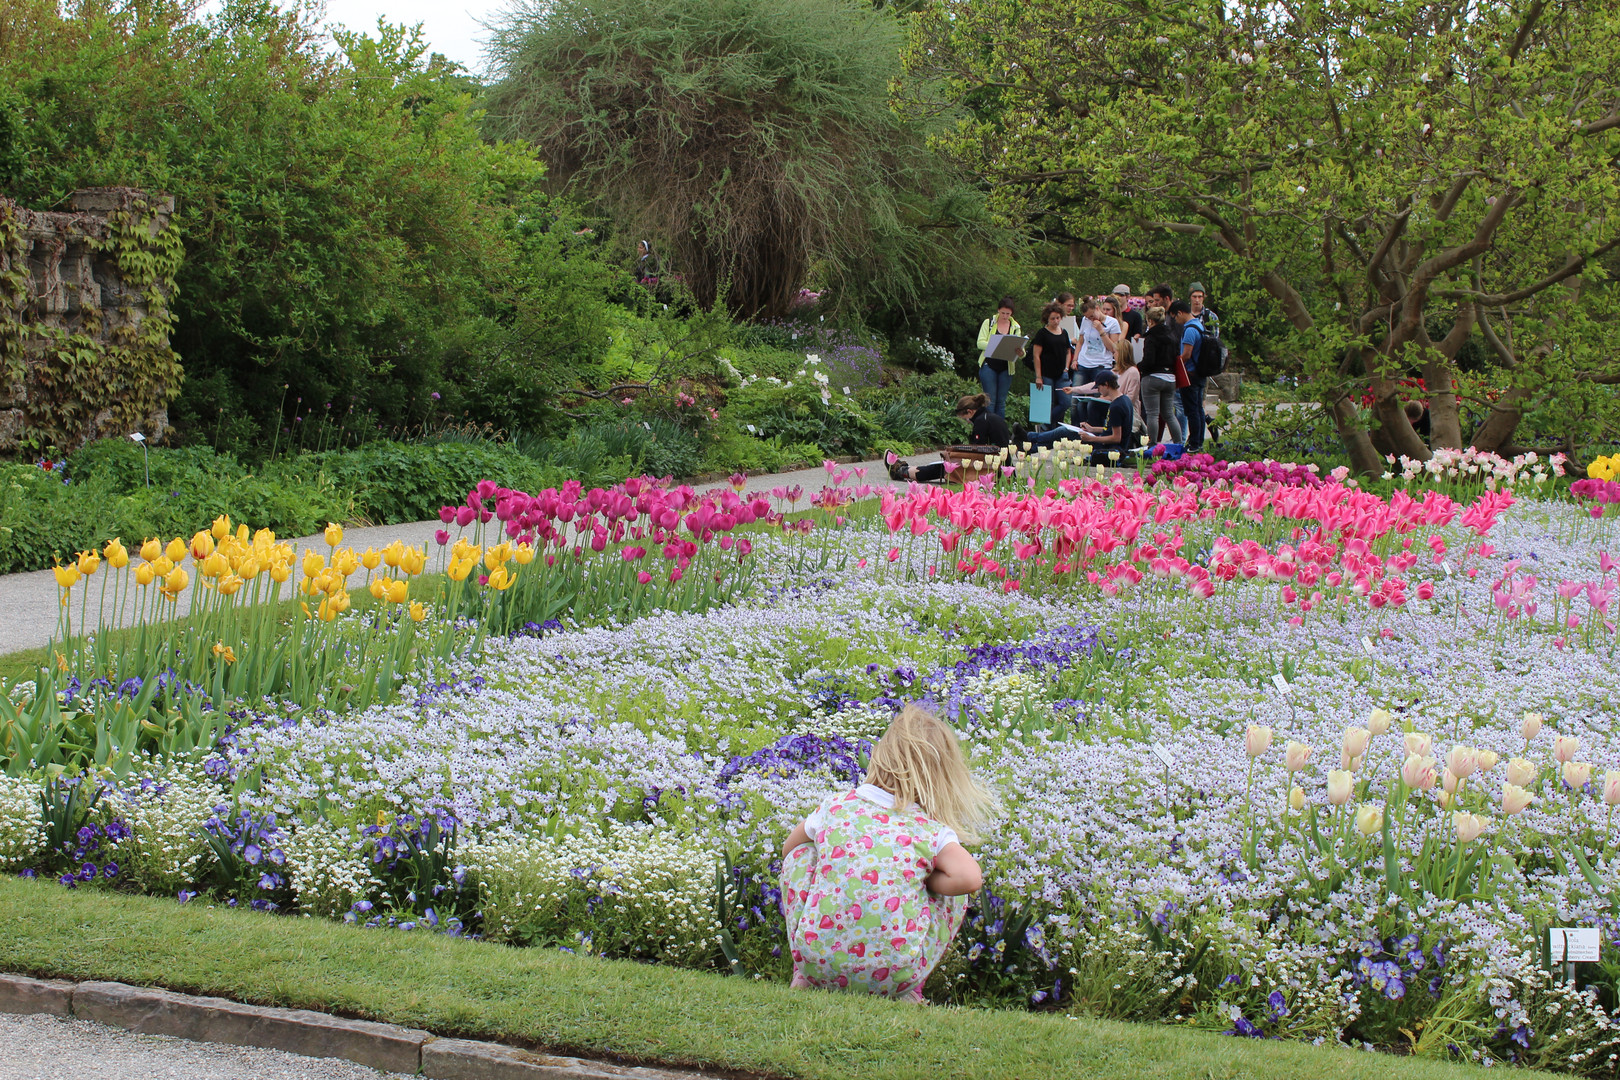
column 1499, row 427
column 1445, row 420
column 1363, row 458
column 1082, row 254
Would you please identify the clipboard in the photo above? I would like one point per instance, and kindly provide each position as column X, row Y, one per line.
column 1006, row 347
column 1040, row 403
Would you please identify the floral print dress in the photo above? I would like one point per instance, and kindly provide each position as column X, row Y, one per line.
column 859, row 916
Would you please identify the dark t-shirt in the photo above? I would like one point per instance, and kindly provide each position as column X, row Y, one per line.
column 1134, row 324
column 1122, row 416
column 1054, row 352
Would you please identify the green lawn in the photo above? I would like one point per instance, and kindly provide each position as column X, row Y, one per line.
column 639, row 1012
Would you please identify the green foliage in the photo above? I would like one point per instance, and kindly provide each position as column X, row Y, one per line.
column 382, row 482
column 351, row 242
column 753, row 136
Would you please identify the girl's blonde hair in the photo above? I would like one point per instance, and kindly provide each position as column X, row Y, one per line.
column 919, row 761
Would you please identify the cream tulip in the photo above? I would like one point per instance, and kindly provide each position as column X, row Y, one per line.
column 1296, row 756
column 1338, row 787
column 1565, row 747
column 1418, row 744
column 1462, row 761
column 1418, row 773
column 1531, row 727
column 1515, row 799
column 1379, row 721
column 1257, row 740
column 1487, row 760
column 1449, row 782
column 1611, row 788
column 1369, row 819
column 1577, row 773
column 1296, row 798
column 1521, row 773
column 1469, row 826
column 1355, row 742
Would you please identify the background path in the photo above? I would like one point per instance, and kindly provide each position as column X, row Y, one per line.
column 54, row 1048
column 29, row 602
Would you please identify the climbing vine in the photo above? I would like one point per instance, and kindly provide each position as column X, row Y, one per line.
column 109, row 368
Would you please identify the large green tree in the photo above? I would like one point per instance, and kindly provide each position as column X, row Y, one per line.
column 753, row 136
column 1396, row 178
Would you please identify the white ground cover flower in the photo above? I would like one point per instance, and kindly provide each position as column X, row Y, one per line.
column 164, row 811
column 328, row 869
column 22, row 832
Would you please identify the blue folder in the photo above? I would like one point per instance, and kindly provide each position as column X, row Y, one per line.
column 1040, row 404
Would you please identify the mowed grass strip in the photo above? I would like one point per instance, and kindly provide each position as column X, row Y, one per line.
column 616, row 1009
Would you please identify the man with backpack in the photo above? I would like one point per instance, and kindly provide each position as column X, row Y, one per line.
column 1200, row 353
column 1212, row 324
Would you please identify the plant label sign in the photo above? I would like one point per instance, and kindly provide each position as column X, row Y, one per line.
column 1163, row 755
column 1367, row 645
column 1574, row 944
column 1281, row 683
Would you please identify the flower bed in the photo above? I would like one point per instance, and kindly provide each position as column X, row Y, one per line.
column 1263, row 751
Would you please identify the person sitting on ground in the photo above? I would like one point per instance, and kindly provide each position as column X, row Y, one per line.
column 1113, row 434
column 990, row 433
column 874, row 880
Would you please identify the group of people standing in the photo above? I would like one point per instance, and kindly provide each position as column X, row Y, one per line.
column 1120, row 356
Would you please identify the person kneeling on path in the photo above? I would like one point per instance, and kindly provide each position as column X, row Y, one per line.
column 990, row 433
column 1113, row 434
column 875, row 880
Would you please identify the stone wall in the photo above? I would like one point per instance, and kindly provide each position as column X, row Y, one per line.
column 85, row 348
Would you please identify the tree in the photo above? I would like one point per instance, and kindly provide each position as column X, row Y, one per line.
column 754, row 136
column 1372, row 168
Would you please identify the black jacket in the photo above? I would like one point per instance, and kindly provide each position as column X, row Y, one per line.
column 1160, row 347
column 989, row 429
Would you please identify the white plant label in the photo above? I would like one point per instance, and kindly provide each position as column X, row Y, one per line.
column 1574, row 944
column 1281, row 683
column 1446, row 566
column 1367, row 645
column 1163, row 755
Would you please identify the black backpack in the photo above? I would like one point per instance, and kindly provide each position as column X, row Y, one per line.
column 1211, row 357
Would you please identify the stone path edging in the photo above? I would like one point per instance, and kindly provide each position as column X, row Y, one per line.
column 387, row 1047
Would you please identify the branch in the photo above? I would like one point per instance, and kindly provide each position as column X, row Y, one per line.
column 1526, row 28
column 1573, row 266
column 1393, row 233
column 1176, row 227
column 1448, row 202
column 1597, row 127
column 1503, row 354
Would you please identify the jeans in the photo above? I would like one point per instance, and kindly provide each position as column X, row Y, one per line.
column 1159, row 401
column 996, row 384
column 1060, row 402
column 932, row 473
column 1192, row 399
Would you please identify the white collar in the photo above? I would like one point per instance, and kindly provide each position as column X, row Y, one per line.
column 877, row 795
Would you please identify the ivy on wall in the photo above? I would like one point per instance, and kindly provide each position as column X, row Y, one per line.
column 110, row 369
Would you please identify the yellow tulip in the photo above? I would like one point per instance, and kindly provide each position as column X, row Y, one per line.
column 398, row 589
column 393, row 553
column 501, row 579
column 116, row 554
column 248, row 568
column 177, row 580
column 215, row 565
column 346, row 561
column 313, row 563
column 459, row 569
column 152, row 550
column 176, row 550
column 327, row 611
column 144, row 574
column 67, row 576
column 221, row 527
column 371, row 559
column 202, row 546
column 163, row 565
column 377, row 588
column 418, row 612
column 333, row 534
column 264, row 540
column 280, row 572
column 229, row 584
column 413, row 561
column 242, row 533
column 89, row 562
column 497, row 554
column 523, row 554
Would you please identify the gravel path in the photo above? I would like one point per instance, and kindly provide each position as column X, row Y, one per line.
column 51, row 1048
column 29, row 601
